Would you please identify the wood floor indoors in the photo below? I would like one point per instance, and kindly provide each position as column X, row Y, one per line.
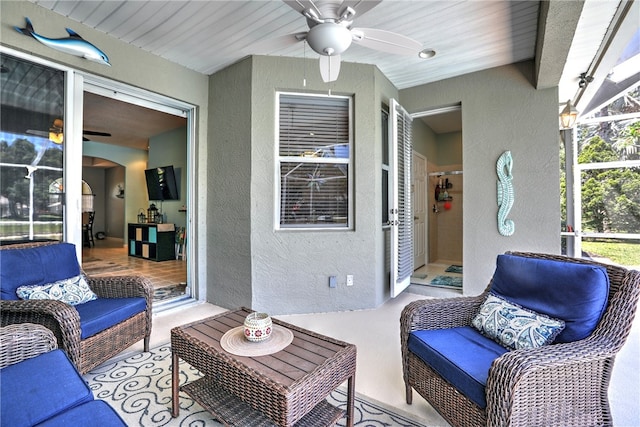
column 112, row 252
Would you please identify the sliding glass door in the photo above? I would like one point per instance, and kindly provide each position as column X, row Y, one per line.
column 32, row 145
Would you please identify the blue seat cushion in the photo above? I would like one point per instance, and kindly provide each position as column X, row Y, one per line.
column 102, row 313
column 462, row 356
column 576, row 293
column 36, row 266
column 38, row 388
column 91, row 414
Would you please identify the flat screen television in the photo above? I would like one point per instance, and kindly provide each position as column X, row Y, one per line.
column 161, row 183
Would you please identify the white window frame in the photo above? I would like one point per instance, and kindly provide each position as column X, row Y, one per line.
column 574, row 187
column 280, row 160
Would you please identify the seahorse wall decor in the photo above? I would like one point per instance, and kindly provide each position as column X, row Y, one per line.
column 506, row 227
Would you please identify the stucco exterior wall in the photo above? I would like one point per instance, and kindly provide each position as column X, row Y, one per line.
column 501, row 110
column 289, row 269
column 229, row 197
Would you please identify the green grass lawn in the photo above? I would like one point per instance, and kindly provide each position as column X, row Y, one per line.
column 625, row 253
column 11, row 229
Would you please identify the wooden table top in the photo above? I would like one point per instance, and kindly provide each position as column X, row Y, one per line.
column 307, row 352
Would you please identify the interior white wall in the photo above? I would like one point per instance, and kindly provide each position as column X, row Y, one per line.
column 501, row 110
column 95, row 178
column 134, row 162
column 114, row 206
column 170, row 149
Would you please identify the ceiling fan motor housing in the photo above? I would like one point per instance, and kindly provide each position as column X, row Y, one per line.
column 329, row 38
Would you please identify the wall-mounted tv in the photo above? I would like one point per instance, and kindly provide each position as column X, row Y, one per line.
column 161, row 183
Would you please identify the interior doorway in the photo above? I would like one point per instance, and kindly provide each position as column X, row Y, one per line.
column 125, row 133
column 437, row 137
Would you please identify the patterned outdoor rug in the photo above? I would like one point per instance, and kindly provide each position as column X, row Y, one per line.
column 454, row 269
column 139, row 389
column 447, row 282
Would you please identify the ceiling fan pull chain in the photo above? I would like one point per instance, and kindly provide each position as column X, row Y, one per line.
column 329, row 74
column 304, row 75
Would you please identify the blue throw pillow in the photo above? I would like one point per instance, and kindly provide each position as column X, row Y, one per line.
column 72, row 291
column 515, row 327
column 574, row 292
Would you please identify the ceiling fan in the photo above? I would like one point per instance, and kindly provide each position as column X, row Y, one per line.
column 55, row 132
column 331, row 33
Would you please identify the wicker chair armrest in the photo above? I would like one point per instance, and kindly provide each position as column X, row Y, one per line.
column 60, row 318
column 121, row 286
column 439, row 313
column 21, row 341
column 566, row 368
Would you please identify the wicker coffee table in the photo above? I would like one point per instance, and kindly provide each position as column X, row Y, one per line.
column 286, row 388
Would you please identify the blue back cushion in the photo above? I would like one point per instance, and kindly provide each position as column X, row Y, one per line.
column 36, row 266
column 576, row 293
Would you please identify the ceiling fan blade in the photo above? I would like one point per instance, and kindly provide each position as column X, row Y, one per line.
column 270, row 45
column 41, row 133
column 360, row 6
column 45, row 134
column 386, row 41
column 301, row 5
column 329, row 67
column 95, row 133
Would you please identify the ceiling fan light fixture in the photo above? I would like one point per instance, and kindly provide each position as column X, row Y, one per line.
column 56, row 137
column 329, row 38
column 56, row 134
column 426, row 53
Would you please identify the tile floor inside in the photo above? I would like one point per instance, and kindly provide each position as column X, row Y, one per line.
column 421, row 279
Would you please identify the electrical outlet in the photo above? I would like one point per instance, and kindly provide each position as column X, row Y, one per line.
column 349, row 279
column 333, row 281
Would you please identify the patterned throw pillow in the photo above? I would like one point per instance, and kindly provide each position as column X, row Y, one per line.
column 73, row 291
column 515, row 327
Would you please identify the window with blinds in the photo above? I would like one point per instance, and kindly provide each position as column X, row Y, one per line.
column 314, row 161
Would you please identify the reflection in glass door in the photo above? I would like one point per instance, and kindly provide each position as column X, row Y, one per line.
column 31, row 151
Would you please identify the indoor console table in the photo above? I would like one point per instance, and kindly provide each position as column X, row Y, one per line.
column 156, row 242
column 286, row 388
